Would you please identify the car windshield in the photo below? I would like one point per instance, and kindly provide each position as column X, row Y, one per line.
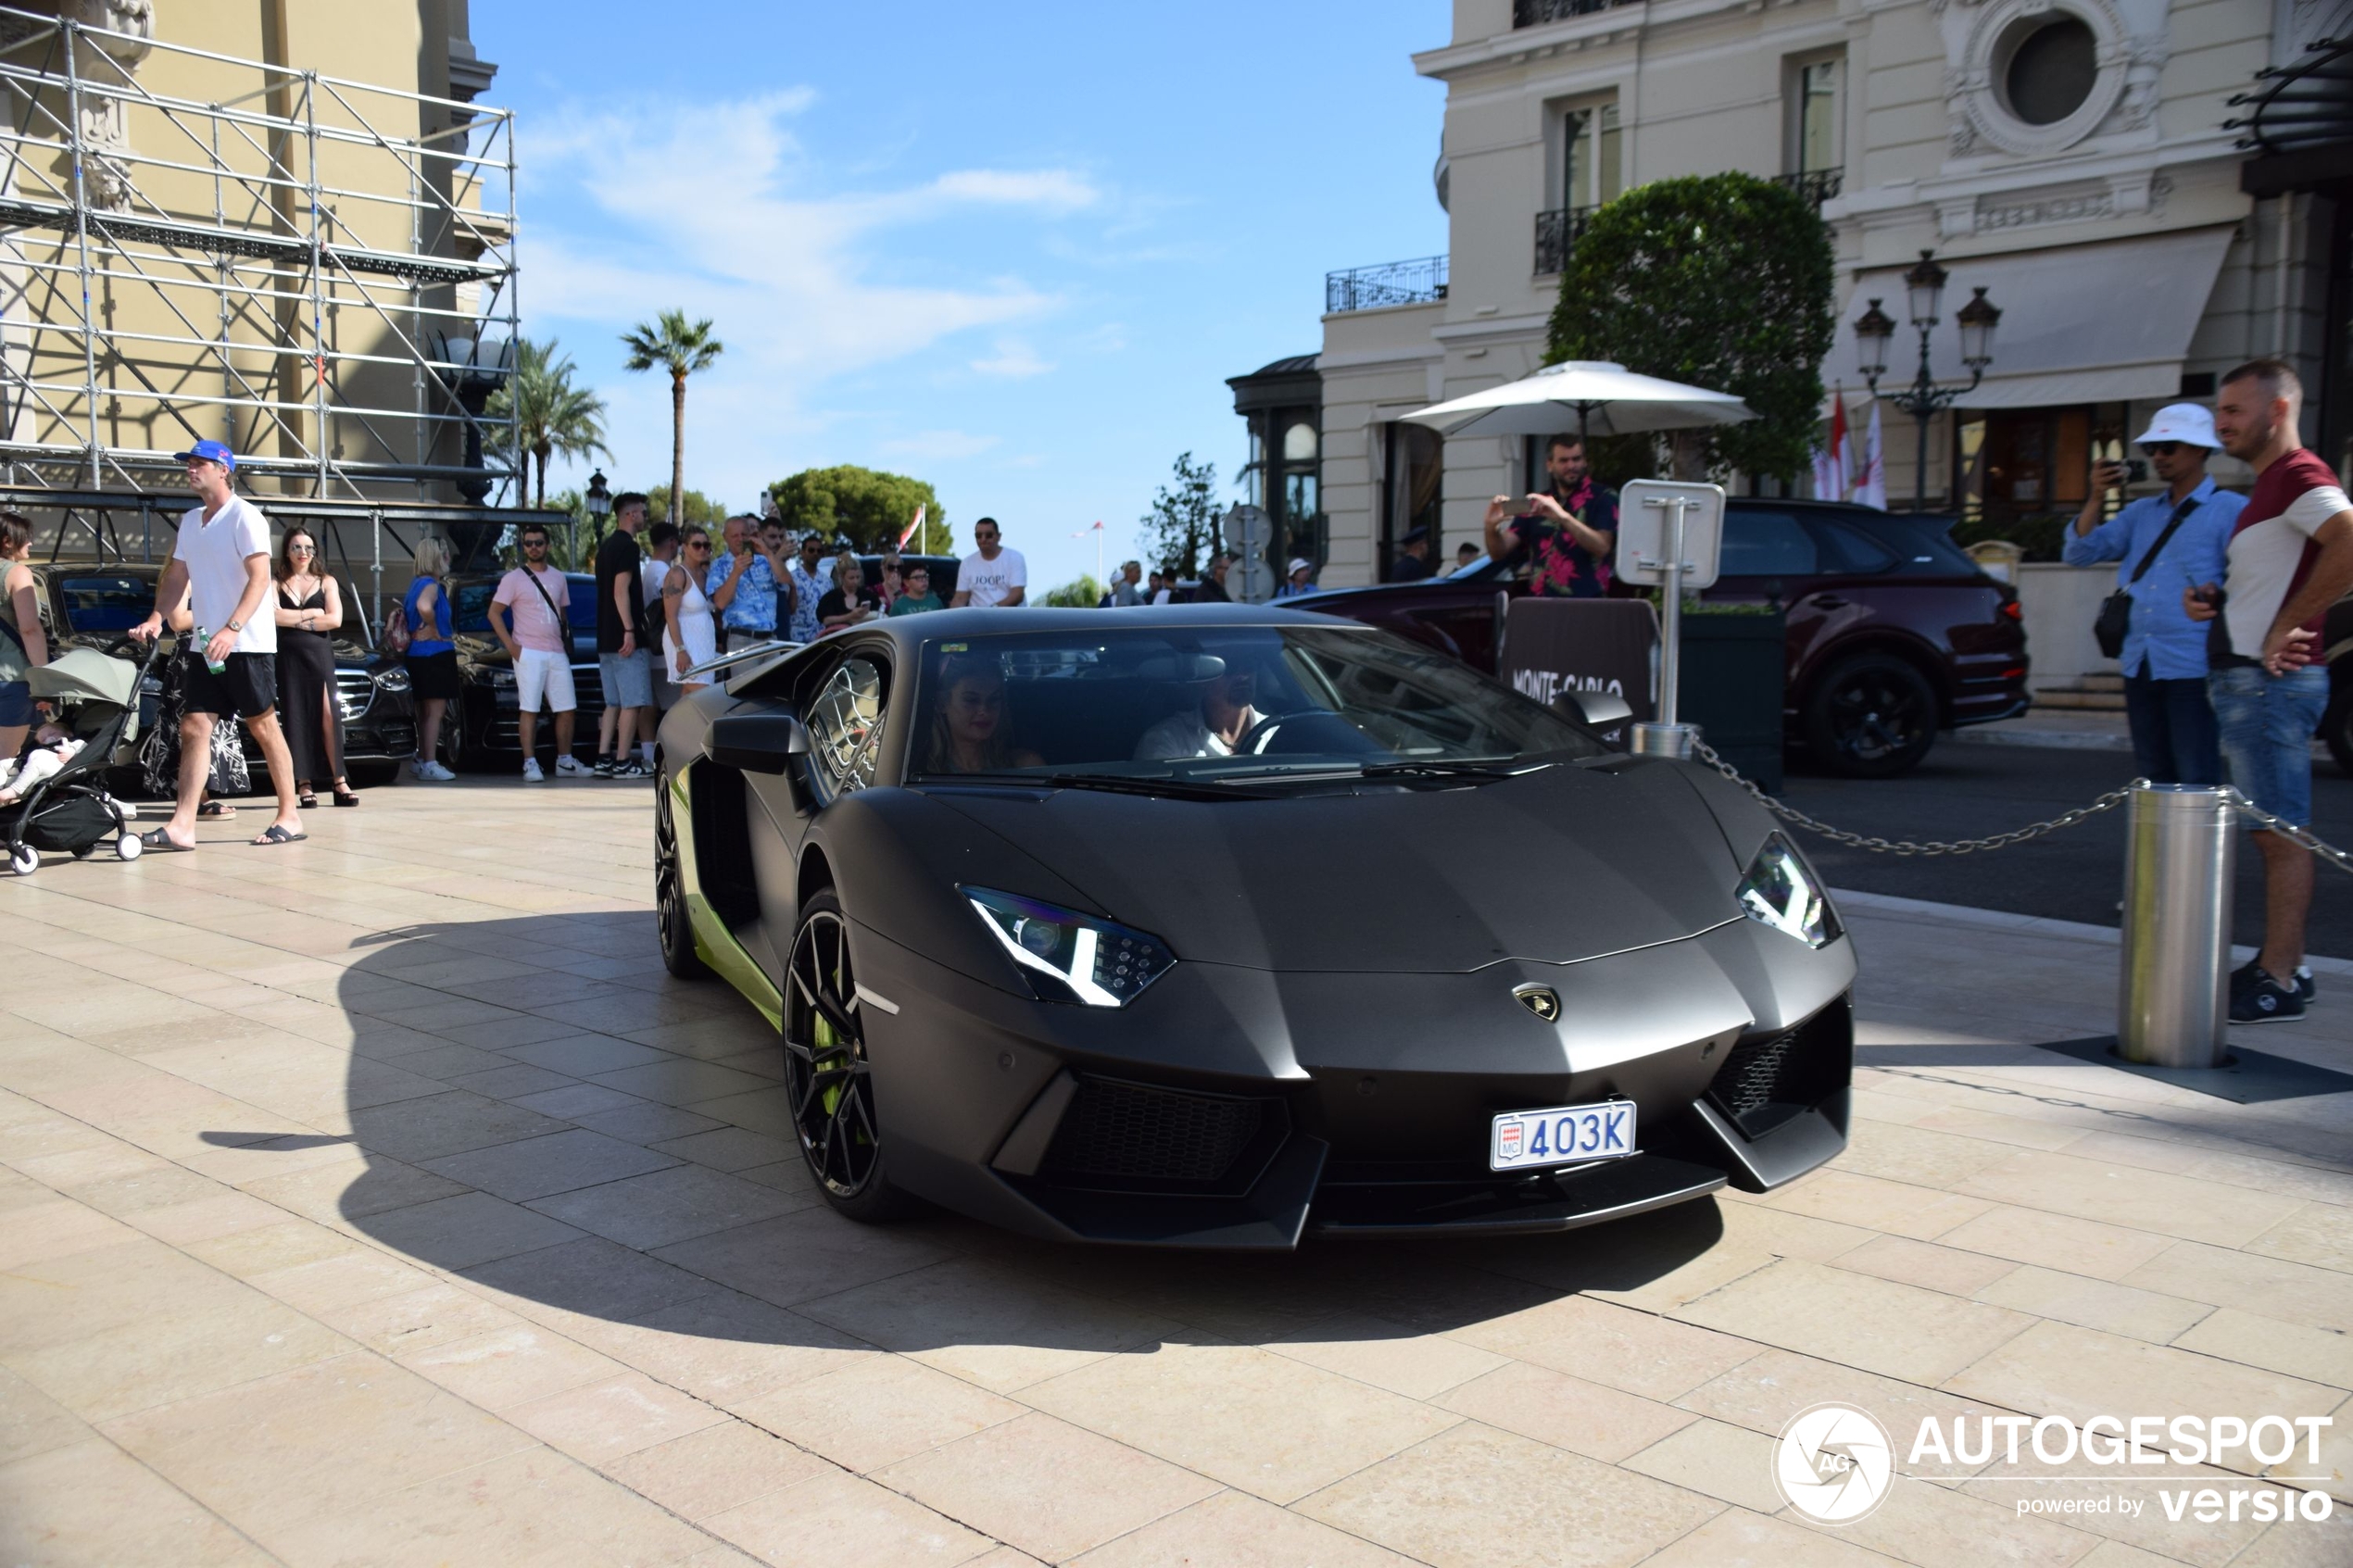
column 105, row 602
column 1216, row 703
column 470, row 604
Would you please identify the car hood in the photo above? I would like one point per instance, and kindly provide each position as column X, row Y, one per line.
column 1556, row 866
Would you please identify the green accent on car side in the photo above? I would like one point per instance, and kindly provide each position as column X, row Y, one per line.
column 714, row 943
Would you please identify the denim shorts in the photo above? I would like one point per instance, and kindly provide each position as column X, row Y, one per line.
column 2267, row 723
column 627, row 679
column 16, row 705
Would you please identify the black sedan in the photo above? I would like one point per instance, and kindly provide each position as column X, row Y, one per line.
column 1215, row 926
column 95, row 605
column 483, row 732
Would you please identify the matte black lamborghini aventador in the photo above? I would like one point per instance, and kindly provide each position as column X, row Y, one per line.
column 1214, row 926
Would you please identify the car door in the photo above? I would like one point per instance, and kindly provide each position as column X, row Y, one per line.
column 843, row 700
column 1770, row 558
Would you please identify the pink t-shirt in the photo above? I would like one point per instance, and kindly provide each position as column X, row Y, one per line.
column 535, row 625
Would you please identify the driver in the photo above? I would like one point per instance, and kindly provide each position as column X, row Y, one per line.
column 1213, row 727
column 968, row 732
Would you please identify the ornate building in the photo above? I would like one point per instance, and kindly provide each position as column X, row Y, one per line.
column 2083, row 160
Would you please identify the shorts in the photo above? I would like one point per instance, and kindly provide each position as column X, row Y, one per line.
column 16, row 705
column 246, row 687
column 2267, row 723
column 540, row 674
column 627, row 679
column 434, row 675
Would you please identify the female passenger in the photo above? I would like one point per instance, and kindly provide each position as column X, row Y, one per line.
column 968, row 732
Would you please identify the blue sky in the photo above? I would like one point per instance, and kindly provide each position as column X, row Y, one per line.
column 1014, row 250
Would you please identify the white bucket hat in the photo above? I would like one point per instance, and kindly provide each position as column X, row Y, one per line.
column 2189, row 423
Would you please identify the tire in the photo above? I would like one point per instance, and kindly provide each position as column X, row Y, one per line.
column 127, row 845
column 1873, row 716
column 677, row 929
column 2337, row 730
column 24, row 859
column 827, row 1077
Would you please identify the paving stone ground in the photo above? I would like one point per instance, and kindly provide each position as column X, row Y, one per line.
column 379, row 1201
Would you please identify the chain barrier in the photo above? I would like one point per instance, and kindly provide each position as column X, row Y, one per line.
column 2301, row 836
column 1905, row 846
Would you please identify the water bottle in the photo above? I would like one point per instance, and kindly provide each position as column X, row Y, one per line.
column 204, row 646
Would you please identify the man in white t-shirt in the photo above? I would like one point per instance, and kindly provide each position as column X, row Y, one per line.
column 527, row 612
column 1215, row 726
column 992, row 575
column 221, row 563
column 2290, row 557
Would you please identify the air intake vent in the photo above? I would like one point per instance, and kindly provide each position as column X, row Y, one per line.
column 1766, row 1082
column 1117, row 1132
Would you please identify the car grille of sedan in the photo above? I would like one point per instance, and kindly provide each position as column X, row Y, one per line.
column 1120, row 1132
column 354, row 692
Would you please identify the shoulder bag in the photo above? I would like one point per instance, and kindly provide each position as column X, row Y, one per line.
column 2116, row 610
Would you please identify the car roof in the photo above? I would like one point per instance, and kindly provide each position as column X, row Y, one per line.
column 911, row 630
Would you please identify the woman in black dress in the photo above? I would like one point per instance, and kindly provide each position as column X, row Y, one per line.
column 310, row 608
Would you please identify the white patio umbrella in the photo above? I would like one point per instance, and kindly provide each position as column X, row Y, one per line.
column 1609, row 400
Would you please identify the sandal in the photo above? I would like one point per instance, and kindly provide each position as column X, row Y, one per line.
column 273, row 833
column 306, row 801
column 156, row 843
column 345, row 797
column 216, row 809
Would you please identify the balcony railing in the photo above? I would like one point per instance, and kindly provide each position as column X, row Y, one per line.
column 1535, row 12
column 1392, row 283
column 1556, row 234
column 1816, row 186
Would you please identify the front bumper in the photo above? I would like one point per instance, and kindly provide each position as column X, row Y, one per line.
column 1231, row 1108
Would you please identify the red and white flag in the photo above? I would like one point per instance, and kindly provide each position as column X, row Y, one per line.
column 1834, row 464
column 1871, row 479
column 912, row 528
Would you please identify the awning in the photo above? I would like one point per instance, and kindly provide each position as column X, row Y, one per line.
column 2094, row 323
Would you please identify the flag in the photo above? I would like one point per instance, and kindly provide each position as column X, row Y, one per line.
column 1832, row 463
column 912, row 528
column 1870, row 480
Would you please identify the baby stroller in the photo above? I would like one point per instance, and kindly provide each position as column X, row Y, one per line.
column 69, row 812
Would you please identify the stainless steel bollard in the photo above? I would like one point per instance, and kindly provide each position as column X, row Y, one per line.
column 2173, row 1004
column 1662, row 740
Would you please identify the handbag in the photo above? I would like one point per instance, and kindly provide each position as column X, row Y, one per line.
column 2116, row 610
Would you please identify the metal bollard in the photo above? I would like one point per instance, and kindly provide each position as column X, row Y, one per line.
column 1662, row 740
column 2174, row 1003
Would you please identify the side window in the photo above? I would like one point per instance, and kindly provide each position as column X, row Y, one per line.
column 845, row 722
column 1851, row 551
column 1765, row 544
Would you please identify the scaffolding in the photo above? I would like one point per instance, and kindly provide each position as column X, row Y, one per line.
column 319, row 272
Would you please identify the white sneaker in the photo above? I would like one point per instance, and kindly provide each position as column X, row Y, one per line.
column 568, row 766
column 530, row 773
column 432, row 772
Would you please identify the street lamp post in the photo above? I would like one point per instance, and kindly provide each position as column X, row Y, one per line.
column 1924, row 292
column 599, row 500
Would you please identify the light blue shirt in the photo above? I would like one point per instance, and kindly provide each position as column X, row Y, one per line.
column 2164, row 644
column 754, row 606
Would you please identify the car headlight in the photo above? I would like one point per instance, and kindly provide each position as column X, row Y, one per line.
column 1069, row 956
column 1781, row 891
column 392, row 680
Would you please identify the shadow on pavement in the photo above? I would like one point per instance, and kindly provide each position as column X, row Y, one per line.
column 621, row 1164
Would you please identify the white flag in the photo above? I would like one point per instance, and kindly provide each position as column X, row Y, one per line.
column 1870, row 480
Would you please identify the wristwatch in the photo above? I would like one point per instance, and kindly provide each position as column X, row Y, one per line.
column 233, row 625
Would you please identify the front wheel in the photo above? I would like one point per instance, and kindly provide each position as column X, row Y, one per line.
column 1871, row 717
column 827, row 1076
column 677, row 928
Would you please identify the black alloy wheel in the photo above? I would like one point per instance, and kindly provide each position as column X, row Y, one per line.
column 827, row 1075
column 678, row 954
column 1872, row 717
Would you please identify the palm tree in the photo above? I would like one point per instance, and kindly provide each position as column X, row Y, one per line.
column 551, row 416
column 672, row 345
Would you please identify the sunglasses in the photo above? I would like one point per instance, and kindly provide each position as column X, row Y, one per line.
column 2160, row 449
column 302, row 550
column 534, row 543
column 699, row 544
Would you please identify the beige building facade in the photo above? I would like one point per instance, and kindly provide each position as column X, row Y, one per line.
column 2068, row 157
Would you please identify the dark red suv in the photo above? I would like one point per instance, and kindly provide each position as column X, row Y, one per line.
column 1894, row 632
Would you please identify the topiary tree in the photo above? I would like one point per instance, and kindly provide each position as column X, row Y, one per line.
column 1083, row 594
column 1721, row 280
column 866, row 506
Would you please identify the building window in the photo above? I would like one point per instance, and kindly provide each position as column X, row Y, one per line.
column 1412, row 486
column 1591, row 167
column 2051, row 66
column 1816, row 139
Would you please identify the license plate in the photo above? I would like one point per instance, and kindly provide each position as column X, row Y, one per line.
column 1567, row 1134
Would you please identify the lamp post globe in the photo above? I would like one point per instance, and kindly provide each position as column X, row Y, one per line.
column 599, row 499
column 1978, row 319
column 1872, row 330
column 1924, row 290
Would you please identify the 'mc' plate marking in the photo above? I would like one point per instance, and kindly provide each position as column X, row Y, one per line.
column 1567, row 1134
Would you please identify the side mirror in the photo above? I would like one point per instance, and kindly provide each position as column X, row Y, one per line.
column 1599, row 709
column 758, row 743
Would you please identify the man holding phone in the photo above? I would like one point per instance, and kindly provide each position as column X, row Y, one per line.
column 2162, row 541
column 2290, row 557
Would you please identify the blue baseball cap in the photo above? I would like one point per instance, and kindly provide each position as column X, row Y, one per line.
column 212, row 451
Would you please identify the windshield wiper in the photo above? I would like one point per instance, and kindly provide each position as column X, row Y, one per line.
column 1457, row 767
column 1109, row 784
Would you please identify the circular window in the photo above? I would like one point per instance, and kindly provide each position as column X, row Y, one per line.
column 2052, row 66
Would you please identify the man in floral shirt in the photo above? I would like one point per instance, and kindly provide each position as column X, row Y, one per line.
column 1566, row 534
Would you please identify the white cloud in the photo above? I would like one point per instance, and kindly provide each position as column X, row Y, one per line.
column 1013, row 358
column 1056, row 189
